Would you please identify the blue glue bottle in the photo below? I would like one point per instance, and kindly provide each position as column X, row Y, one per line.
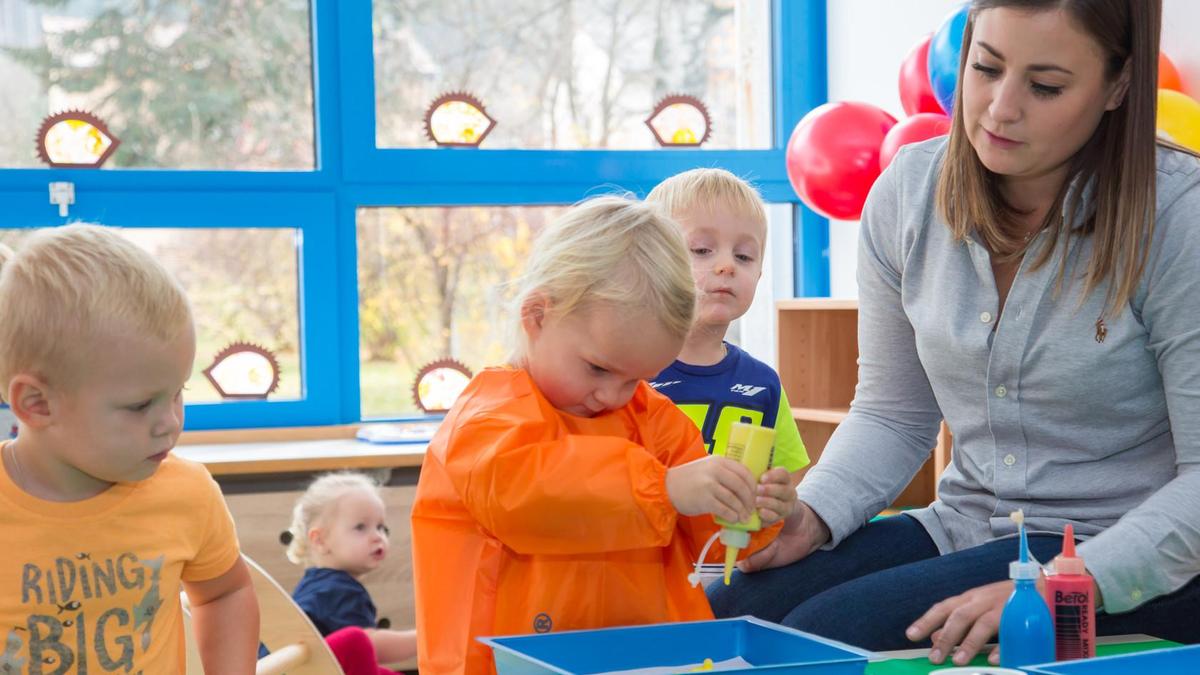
column 1026, row 630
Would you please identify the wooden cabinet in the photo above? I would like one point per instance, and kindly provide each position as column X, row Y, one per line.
column 818, row 365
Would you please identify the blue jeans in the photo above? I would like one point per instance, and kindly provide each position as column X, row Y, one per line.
column 870, row 588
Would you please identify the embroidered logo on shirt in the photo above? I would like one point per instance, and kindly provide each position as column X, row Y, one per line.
column 542, row 623
column 660, row 385
column 746, row 389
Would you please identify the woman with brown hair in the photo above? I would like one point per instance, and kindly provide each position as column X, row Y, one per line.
column 1034, row 281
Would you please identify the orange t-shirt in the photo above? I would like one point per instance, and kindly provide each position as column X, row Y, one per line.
column 93, row 586
column 528, row 519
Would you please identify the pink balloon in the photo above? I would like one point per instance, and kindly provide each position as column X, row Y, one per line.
column 916, row 94
column 833, row 157
column 919, row 127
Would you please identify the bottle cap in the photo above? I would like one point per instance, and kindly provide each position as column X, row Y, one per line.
column 1023, row 570
column 734, row 538
column 1068, row 562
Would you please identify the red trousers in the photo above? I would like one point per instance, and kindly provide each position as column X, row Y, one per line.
column 354, row 652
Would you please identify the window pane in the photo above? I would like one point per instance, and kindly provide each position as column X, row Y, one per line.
column 432, row 285
column 183, row 85
column 243, row 288
column 568, row 74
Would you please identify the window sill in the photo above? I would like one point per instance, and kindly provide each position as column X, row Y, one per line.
column 302, row 449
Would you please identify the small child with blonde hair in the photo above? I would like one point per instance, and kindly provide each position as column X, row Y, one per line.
column 724, row 222
column 562, row 492
column 339, row 533
column 103, row 526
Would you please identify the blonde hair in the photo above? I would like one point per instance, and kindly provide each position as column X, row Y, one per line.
column 707, row 189
column 1119, row 158
column 66, row 286
column 316, row 504
column 609, row 250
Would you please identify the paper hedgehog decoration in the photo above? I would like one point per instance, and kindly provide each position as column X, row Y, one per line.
column 244, row 371
column 680, row 121
column 457, row 119
column 438, row 385
column 75, row 139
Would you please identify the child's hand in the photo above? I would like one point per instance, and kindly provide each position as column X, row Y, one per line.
column 713, row 484
column 776, row 496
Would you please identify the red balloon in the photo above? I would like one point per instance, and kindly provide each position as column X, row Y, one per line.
column 916, row 94
column 1168, row 75
column 833, row 157
column 913, row 129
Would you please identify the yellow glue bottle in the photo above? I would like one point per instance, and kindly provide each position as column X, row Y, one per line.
column 753, row 447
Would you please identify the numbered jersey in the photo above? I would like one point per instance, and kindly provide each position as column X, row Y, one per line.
column 739, row 388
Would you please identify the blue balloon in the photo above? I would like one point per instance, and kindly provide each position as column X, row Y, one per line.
column 944, row 52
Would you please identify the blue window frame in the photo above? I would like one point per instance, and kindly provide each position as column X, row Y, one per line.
column 351, row 172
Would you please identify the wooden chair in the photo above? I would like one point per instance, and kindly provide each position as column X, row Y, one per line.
column 297, row 648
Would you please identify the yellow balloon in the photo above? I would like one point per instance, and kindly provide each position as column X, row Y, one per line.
column 1179, row 118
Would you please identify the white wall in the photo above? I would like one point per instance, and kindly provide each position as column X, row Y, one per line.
column 755, row 331
column 869, row 38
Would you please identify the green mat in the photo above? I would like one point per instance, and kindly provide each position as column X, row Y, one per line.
column 922, row 666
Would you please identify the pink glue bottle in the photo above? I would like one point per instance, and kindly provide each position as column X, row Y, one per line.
column 1070, row 593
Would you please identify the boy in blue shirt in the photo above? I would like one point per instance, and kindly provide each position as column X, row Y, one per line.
column 715, row 383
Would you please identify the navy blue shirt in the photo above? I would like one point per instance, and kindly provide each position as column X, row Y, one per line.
column 334, row 600
column 739, row 388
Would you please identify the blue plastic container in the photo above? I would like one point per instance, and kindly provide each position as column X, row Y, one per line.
column 1173, row 661
column 1026, row 630
column 769, row 647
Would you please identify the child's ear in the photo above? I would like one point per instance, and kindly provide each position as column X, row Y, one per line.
column 316, row 539
column 533, row 313
column 29, row 398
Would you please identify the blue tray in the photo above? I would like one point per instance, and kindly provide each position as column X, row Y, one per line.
column 769, row 647
column 1173, row 661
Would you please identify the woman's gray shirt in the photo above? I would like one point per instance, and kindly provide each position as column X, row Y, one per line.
column 1046, row 416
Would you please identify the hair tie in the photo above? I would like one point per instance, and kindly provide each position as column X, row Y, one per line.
column 286, row 537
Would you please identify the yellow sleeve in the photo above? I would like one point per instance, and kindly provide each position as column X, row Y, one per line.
column 789, row 447
column 217, row 549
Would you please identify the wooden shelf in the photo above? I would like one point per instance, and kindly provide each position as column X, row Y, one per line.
column 818, row 366
column 826, row 415
column 818, row 303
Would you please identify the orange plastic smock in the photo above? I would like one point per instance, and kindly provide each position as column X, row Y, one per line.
column 528, row 519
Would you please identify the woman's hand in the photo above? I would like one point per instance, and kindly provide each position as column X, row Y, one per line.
column 803, row 532
column 967, row 621
column 776, row 496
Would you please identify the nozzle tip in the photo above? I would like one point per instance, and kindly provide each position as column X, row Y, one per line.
column 730, row 559
column 1068, row 549
column 1023, row 550
column 1017, row 517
